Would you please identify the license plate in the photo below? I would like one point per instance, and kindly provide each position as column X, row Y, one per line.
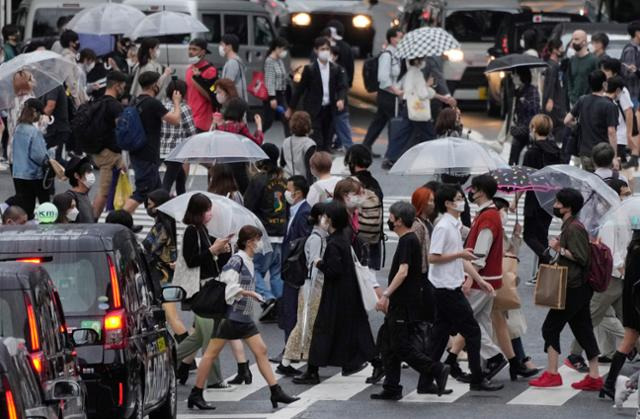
column 482, row 93
column 162, row 344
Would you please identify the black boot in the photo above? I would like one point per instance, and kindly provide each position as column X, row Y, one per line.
column 244, row 374
column 376, row 375
column 609, row 387
column 183, row 373
column 455, row 371
column 309, row 377
column 279, row 396
column 495, row 365
column 517, row 368
column 196, row 400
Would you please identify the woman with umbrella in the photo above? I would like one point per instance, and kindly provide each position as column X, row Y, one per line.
column 526, row 107
column 148, row 55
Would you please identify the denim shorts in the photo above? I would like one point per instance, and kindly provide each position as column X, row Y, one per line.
column 147, row 178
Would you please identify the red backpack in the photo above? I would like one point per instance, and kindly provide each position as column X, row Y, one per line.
column 600, row 265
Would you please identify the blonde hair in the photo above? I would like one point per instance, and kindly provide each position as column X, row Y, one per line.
column 541, row 124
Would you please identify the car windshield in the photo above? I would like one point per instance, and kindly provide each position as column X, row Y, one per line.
column 474, row 25
column 13, row 319
column 45, row 21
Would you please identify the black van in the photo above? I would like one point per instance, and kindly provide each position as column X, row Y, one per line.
column 125, row 354
column 30, row 309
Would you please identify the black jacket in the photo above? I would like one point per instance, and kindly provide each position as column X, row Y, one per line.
column 346, row 60
column 310, row 87
column 195, row 249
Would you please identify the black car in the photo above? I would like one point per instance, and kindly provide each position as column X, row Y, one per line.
column 21, row 396
column 125, row 354
column 30, row 309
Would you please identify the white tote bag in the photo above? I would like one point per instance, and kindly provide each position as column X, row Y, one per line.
column 185, row 277
column 363, row 273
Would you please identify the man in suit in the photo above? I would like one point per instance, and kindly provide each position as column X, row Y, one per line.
column 297, row 227
column 324, row 93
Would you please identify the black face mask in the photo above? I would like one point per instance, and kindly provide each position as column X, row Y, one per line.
column 577, row 47
column 557, row 213
column 470, row 196
column 391, row 225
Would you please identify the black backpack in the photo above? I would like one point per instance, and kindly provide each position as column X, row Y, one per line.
column 87, row 126
column 208, row 85
column 295, row 268
column 370, row 72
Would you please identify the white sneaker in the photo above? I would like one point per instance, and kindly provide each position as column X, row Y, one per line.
column 622, row 392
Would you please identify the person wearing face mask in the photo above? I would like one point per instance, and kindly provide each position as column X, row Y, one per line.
column 95, row 73
column 527, row 105
column 619, row 95
column 297, row 227
column 240, row 295
column 309, row 295
column 200, row 77
column 448, row 262
column 117, row 59
column 275, row 79
column 423, row 201
column 11, row 36
column 148, row 55
column 554, row 94
column 79, row 171
column 234, row 69
column 581, row 65
column 70, row 42
column 324, row 94
column 574, row 253
column 225, row 91
column 67, row 209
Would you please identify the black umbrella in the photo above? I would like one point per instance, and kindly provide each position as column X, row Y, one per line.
column 512, row 61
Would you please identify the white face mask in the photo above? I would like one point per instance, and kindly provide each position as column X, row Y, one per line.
column 89, row 180
column 353, row 201
column 324, row 55
column 130, row 62
column 289, row 197
column 89, row 67
column 283, row 54
column 156, row 53
column 259, row 247
column 221, row 50
column 194, row 60
column 72, row 214
column 459, row 206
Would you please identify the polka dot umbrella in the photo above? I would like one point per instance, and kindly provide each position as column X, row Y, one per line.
column 513, row 179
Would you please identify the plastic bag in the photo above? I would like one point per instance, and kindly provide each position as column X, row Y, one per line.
column 123, row 191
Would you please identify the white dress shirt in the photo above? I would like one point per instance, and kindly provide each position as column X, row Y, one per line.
column 324, row 74
column 445, row 240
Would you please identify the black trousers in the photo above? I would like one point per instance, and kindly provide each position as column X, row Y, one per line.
column 578, row 314
column 288, row 310
column 271, row 115
column 175, row 174
column 454, row 315
column 517, row 145
column 386, row 103
column 27, row 191
column 322, row 126
column 398, row 347
column 536, row 232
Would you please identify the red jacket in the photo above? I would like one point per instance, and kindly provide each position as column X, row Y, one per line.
column 241, row 129
column 489, row 218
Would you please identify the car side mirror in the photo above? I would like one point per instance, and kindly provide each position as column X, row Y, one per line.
column 84, row 336
column 58, row 390
column 173, row 294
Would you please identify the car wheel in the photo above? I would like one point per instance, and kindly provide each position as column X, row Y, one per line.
column 138, row 413
column 168, row 409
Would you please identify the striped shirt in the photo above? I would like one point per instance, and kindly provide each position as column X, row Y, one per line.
column 275, row 76
column 172, row 135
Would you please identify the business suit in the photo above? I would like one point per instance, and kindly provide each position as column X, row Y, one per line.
column 298, row 228
column 311, row 87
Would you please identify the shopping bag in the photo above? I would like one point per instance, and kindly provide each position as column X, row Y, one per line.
column 507, row 297
column 363, row 273
column 257, row 87
column 123, row 191
column 418, row 109
column 551, row 287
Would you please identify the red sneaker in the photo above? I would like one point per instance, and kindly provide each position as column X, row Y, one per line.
column 547, row 379
column 588, row 383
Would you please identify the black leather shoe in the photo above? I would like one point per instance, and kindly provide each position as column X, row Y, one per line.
column 433, row 389
column 196, row 400
column 494, row 366
column 485, row 385
column 522, row 371
column 376, row 376
column 457, row 373
column 307, row 378
column 607, row 391
column 441, row 375
column 350, row 371
column 287, row 371
column 387, row 395
column 219, row 386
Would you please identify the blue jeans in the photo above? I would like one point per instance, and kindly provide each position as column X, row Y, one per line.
column 343, row 129
column 272, row 263
column 401, row 134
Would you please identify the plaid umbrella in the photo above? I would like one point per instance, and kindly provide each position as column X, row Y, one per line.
column 513, row 179
column 426, row 42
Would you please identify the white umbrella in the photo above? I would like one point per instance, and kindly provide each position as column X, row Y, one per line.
column 167, row 23
column 217, row 147
column 449, row 155
column 106, row 19
column 49, row 71
column 228, row 216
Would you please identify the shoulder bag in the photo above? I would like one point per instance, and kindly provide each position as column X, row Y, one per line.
column 365, row 283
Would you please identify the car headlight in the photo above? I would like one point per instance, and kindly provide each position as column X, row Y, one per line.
column 454, row 55
column 301, row 19
column 361, row 21
column 502, row 75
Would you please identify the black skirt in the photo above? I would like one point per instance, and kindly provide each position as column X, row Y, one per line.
column 231, row 329
column 630, row 316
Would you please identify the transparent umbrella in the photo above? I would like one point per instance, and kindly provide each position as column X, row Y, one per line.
column 167, row 23
column 598, row 196
column 619, row 223
column 49, row 71
column 452, row 156
column 217, row 147
column 106, row 19
column 228, row 216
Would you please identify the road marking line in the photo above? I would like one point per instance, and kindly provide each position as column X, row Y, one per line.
column 225, row 416
column 459, row 390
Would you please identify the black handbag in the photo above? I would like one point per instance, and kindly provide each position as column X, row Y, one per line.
column 519, row 131
column 209, row 302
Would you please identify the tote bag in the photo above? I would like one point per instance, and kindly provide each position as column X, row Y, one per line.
column 186, row 277
column 363, row 273
column 551, row 287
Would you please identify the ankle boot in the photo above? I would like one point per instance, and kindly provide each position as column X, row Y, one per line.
column 517, row 368
column 244, row 374
column 609, row 387
column 196, row 400
column 279, row 396
column 183, row 373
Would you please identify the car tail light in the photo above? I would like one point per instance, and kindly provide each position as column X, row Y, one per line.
column 120, row 393
column 34, row 338
column 505, row 44
column 36, row 261
column 115, row 284
column 12, row 412
column 114, row 328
